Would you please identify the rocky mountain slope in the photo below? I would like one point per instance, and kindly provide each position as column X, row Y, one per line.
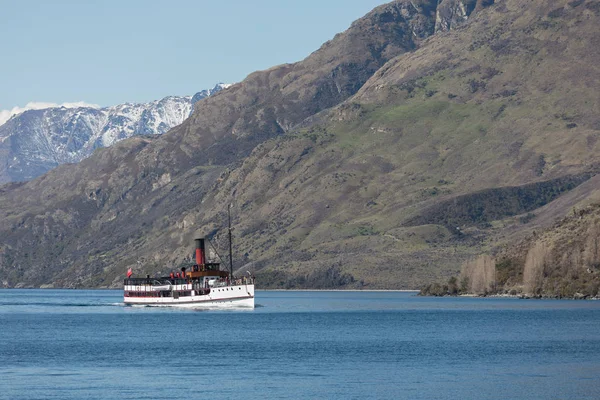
column 35, row 141
column 499, row 104
column 334, row 164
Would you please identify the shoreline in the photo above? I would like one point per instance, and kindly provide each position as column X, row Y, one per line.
column 415, row 291
column 258, row 290
column 338, row 290
column 512, row 296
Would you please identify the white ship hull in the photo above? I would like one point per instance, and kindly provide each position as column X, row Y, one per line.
column 223, row 296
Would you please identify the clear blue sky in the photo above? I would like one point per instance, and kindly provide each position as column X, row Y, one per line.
column 108, row 52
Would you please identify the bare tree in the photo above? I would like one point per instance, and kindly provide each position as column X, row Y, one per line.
column 592, row 246
column 535, row 264
column 480, row 273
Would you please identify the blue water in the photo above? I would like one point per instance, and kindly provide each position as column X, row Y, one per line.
column 74, row 344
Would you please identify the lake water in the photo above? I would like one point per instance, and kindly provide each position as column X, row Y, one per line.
column 76, row 344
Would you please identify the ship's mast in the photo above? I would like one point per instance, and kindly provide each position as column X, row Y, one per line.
column 230, row 244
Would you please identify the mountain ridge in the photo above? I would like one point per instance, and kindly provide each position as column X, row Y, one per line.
column 323, row 179
column 35, row 141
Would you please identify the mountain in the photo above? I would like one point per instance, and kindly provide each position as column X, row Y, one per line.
column 35, row 141
column 385, row 159
column 436, row 157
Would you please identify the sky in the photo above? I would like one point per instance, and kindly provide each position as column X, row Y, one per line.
column 107, row 52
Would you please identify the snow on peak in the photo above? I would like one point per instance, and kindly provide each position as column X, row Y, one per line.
column 5, row 115
column 45, row 135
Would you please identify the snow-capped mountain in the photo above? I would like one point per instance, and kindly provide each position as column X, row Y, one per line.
column 35, row 141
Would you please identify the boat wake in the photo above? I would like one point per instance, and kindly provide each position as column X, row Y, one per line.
column 29, row 304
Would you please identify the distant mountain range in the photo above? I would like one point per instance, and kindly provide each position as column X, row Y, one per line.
column 35, row 141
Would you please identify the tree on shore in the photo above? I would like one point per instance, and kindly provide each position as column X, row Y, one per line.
column 592, row 246
column 480, row 274
column 536, row 263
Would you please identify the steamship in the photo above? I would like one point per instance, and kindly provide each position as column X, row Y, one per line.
column 202, row 285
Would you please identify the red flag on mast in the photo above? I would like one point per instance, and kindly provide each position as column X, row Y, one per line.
column 129, row 273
